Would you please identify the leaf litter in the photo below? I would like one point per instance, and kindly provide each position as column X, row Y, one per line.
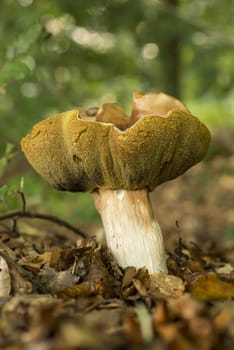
column 65, row 291
column 79, row 298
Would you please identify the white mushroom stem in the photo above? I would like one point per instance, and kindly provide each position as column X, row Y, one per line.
column 132, row 234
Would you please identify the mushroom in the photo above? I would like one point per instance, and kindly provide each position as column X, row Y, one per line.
column 119, row 160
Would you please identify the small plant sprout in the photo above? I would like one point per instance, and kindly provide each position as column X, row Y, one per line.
column 119, row 160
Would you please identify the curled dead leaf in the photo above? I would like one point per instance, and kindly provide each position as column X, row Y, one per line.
column 135, row 283
column 129, row 274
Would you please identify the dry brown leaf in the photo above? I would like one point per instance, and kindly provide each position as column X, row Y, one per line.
column 131, row 327
column 84, row 288
column 55, row 257
column 223, row 319
column 57, row 280
column 226, row 268
column 42, row 259
column 75, row 336
column 184, row 307
column 86, row 243
column 129, row 274
column 98, row 273
column 20, row 285
column 201, row 328
column 160, row 313
column 169, row 331
column 135, row 283
column 168, row 285
column 223, row 312
column 34, row 300
column 34, row 263
column 211, row 287
column 140, row 287
column 111, row 264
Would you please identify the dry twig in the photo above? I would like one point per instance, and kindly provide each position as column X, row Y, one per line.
column 17, row 214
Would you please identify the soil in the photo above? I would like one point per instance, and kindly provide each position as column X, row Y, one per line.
column 200, row 202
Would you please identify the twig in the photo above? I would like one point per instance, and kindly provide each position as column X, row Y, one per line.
column 23, row 200
column 180, row 243
column 27, row 214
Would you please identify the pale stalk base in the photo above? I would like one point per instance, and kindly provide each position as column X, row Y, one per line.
column 132, row 234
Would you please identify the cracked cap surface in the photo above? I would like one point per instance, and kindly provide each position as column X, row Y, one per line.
column 82, row 154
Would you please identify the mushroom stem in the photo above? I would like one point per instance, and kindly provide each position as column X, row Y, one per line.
column 132, row 234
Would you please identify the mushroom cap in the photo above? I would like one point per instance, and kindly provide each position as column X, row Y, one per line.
column 83, row 154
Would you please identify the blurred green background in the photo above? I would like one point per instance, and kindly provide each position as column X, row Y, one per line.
column 58, row 55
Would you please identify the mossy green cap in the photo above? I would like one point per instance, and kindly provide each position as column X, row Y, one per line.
column 79, row 154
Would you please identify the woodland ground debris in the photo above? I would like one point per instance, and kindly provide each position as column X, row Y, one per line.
column 67, row 294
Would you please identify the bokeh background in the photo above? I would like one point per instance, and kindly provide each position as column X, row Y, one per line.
column 59, row 55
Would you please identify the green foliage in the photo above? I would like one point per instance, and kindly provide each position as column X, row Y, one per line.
column 78, row 208
column 14, row 70
column 9, row 198
column 58, row 55
column 9, row 193
column 3, row 195
column 7, row 157
column 229, row 233
column 64, row 54
column 24, row 42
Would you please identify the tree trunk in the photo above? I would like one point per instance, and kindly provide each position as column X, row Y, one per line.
column 171, row 55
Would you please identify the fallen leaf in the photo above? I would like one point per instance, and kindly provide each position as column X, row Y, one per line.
column 135, row 283
column 35, row 262
column 160, row 314
column 54, row 257
column 185, row 307
column 129, row 274
column 226, row 268
column 131, row 327
column 76, row 336
column 19, row 284
column 223, row 319
column 211, row 287
column 140, row 287
column 57, row 280
column 84, row 288
column 98, row 273
column 168, row 285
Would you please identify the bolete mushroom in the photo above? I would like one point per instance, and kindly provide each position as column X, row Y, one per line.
column 119, row 160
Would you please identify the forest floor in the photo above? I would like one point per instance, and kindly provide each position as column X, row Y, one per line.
column 60, row 290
